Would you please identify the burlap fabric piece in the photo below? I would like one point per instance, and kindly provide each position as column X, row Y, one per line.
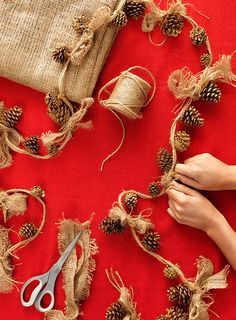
column 29, row 32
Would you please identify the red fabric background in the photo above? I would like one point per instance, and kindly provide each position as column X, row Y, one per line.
column 74, row 185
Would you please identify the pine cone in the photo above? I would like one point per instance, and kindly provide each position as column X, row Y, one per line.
column 28, row 230
column 154, row 189
column 198, row 36
column 180, row 294
column 110, row 226
column 164, row 160
column 80, row 24
column 11, row 117
column 120, row 20
column 134, row 9
column 182, row 141
column 131, row 200
column 117, row 311
column 61, row 54
column 176, row 313
column 163, row 317
column 37, row 191
column 170, row 273
column 211, row 93
column 192, row 117
column 151, row 240
column 172, row 24
column 205, row 59
column 57, row 109
column 31, row 144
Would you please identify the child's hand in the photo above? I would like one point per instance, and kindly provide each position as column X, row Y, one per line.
column 189, row 207
column 205, row 172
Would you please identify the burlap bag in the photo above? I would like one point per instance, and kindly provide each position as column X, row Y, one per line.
column 29, row 32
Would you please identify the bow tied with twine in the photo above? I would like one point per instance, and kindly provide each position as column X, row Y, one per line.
column 12, row 204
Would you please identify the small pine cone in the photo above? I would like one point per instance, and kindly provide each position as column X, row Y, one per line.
column 180, row 294
column 164, row 160
column 134, row 9
column 117, row 311
column 120, row 20
column 151, row 240
column 170, row 273
column 53, row 148
column 110, row 226
column 182, row 141
column 162, row 317
column 192, row 117
column 12, row 116
column 205, row 59
column 172, row 24
column 37, row 191
column 176, row 313
column 61, row 54
column 198, row 36
column 28, row 230
column 154, row 189
column 131, row 200
column 79, row 24
column 211, row 93
column 57, row 109
column 31, row 144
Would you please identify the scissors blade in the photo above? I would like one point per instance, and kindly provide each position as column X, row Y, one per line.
column 67, row 252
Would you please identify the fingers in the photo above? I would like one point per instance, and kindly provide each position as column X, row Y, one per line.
column 171, row 213
column 176, row 189
column 189, row 181
column 184, row 169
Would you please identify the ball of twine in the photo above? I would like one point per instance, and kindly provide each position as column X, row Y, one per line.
column 129, row 97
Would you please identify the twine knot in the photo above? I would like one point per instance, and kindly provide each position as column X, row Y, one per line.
column 13, row 204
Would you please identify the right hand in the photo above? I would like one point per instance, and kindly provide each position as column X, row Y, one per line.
column 205, row 172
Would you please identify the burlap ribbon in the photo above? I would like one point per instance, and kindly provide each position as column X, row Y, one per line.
column 6, row 281
column 77, row 273
column 139, row 222
column 12, row 204
column 204, row 282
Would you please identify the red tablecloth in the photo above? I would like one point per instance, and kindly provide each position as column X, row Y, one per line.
column 74, row 185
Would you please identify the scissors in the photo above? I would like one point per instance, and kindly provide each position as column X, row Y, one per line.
column 47, row 281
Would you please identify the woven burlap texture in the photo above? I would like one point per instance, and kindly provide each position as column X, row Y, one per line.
column 30, row 31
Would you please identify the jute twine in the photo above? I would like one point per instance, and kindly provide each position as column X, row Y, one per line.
column 155, row 16
column 129, row 97
column 9, row 201
column 77, row 272
column 126, row 295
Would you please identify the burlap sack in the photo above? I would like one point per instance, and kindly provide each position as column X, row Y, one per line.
column 31, row 29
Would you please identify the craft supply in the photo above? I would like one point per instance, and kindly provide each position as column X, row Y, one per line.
column 47, row 282
column 13, row 203
column 129, row 97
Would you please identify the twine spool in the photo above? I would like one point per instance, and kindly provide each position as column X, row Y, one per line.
column 129, row 97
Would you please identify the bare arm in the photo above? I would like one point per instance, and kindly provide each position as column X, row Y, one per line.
column 189, row 207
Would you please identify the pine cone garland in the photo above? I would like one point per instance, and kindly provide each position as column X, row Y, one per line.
column 154, row 189
column 180, row 294
column 182, row 141
column 31, row 144
column 110, row 226
column 198, row 36
column 164, row 160
column 131, row 200
column 37, row 191
column 176, row 313
column 61, row 54
column 28, row 230
column 192, row 117
column 11, row 117
column 57, row 109
column 134, row 9
column 205, row 59
column 172, row 24
column 170, row 273
column 117, row 311
column 211, row 93
column 120, row 20
column 79, row 24
column 151, row 240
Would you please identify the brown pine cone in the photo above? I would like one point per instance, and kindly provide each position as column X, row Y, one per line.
column 120, row 20
column 180, row 294
column 58, row 111
column 182, row 141
column 61, row 54
column 37, row 191
column 80, row 24
column 131, row 200
column 154, row 189
column 164, row 160
column 198, row 36
column 31, row 144
column 205, row 60
column 176, row 313
column 172, row 24
column 170, row 273
column 117, row 311
column 28, row 230
column 192, row 117
column 134, row 9
column 151, row 240
column 10, row 117
column 110, row 226
column 211, row 93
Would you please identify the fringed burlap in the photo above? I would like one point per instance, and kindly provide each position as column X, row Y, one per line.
column 6, row 269
column 126, row 295
column 77, row 272
column 13, row 204
column 31, row 30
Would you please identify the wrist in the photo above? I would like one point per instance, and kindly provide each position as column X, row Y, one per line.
column 219, row 226
column 231, row 178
